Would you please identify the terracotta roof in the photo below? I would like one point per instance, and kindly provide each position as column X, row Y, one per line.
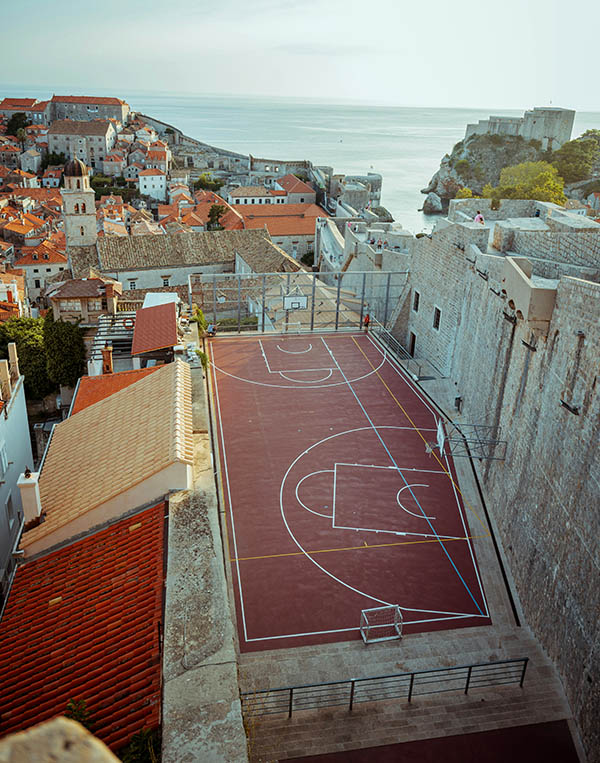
column 255, row 190
column 283, row 219
column 201, row 248
column 80, row 287
column 113, row 446
column 46, row 251
column 92, row 389
column 73, row 127
column 292, row 184
column 87, row 99
column 82, row 623
column 152, row 172
column 155, row 328
column 158, row 155
column 24, row 103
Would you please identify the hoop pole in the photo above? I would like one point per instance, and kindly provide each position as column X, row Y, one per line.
column 468, row 679
column 410, row 688
column 523, row 673
column 291, row 703
column 351, row 694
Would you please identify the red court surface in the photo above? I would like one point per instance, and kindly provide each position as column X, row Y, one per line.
column 333, row 504
column 538, row 743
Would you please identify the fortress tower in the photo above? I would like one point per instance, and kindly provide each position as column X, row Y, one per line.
column 79, row 209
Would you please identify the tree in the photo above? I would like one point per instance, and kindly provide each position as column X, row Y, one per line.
column 591, row 135
column 77, row 710
column 28, row 335
column 54, row 160
column 65, row 351
column 574, row 160
column 464, row 193
column 17, row 122
column 206, row 183
column 215, row 213
column 22, row 137
column 529, row 180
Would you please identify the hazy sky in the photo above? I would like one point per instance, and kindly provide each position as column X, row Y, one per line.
column 489, row 53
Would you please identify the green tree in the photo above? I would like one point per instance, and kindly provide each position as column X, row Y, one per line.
column 143, row 747
column 65, row 350
column 464, row 193
column 463, row 168
column 53, row 160
column 22, row 137
column 206, row 183
column 28, row 335
column 574, row 159
column 17, row 122
column 529, row 180
column 77, row 710
column 591, row 135
column 199, row 318
column 215, row 213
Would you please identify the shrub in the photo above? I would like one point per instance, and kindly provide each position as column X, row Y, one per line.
column 464, row 193
column 463, row 167
column 199, row 318
column 496, row 140
column 203, row 358
column 77, row 710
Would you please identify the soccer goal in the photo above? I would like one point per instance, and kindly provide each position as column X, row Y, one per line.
column 381, row 624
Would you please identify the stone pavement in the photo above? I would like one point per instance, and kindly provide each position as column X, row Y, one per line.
column 370, row 724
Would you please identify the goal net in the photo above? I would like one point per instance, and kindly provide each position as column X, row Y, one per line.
column 381, row 624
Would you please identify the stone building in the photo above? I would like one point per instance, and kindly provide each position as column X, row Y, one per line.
column 551, row 126
column 90, row 142
column 85, row 108
column 79, row 210
column 508, row 318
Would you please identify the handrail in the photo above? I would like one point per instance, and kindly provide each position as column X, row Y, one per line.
column 351, row 691
column 389, row 342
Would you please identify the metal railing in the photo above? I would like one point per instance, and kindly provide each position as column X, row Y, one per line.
column 390, row 343
column 377, row 688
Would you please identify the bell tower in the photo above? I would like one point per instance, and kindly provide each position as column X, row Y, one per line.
column 79, row 209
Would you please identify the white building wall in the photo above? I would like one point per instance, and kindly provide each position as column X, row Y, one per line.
column 16, row 445
column 154, row 186
column 149, row 278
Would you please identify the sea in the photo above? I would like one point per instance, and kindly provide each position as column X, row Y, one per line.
column 404, row 144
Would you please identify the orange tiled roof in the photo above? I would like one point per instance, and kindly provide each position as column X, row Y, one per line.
column 157, row 155
column 152, row 172
column 87, row 99
column 23, row 103
column 47, row 251
column 155, row 328
column 283, row 219
column 292, row 184
column 92, row 389
column 82, row 623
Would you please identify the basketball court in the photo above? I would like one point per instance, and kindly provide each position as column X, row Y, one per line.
column 339, row 493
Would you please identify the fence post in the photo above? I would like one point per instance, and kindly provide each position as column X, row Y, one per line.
column 264, row 290
column 239, row 320
column 525, row 661
column 337, row 302
column 362, row 300
column 387, row 300
column 312, row 308
column 410, row 688
column 351, row 694
column 291, row 702
column 468, row 679
column 214, row 298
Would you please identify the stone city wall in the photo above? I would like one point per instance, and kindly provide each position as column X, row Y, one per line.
column 544, row 496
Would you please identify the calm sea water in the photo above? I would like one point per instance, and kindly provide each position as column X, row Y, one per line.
column 404, row 144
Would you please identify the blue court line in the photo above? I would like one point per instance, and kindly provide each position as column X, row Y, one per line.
column 403, row 477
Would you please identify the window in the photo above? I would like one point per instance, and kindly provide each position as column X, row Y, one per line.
column 34, row 256
column 36, row 270
column 3, row 460
column 437, row 316
column 81, row 230
column 70, row 304
column 36, row 283
column 94, row 305
column 132, row 284
column 416, row 299
column 61, row 268
column 165, row 280
column 83, row 207
column 302, row 200
column 48, row 270
column 10, row 511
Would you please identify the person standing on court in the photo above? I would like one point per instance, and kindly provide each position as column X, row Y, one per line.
column 366, row 321
column 479, row 218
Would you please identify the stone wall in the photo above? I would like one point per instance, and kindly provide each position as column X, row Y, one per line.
column 544, row 496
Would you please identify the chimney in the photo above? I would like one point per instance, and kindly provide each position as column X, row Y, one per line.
column 30, row 495
column 13, row 360
column 107, row 359
column 5, row 385
column 110, row 291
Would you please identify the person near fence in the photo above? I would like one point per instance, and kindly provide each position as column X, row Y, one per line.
column 366, row 321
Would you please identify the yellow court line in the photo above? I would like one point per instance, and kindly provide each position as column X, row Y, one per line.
column 467, row 504
column 351, row 548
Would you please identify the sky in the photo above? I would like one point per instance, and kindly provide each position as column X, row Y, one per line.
column 489, row 53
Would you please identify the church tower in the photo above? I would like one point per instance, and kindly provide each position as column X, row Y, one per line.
column 79, row 209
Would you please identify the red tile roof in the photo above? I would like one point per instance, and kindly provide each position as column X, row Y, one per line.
column 47, row 252
column 11, row 103
column 92, row 389
column 292, row 184
column 82, row 623
column 152, row 172
column 87, row 99
column 155, row 328
column 282, row 219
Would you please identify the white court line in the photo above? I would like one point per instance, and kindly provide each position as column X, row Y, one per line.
column 462, row 519
column 288, row 370
column 418, row 516
column 393, row 468
column 305, row 381
column 296, row 352
column 304, row 506
column 239, row 577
